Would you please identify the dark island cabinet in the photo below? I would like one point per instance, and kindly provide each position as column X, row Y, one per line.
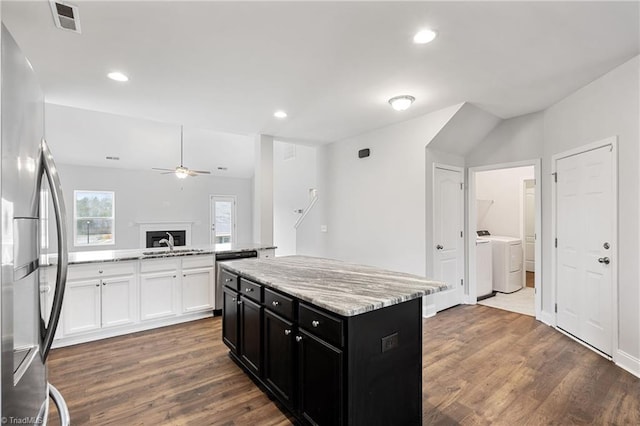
column 321, row 381
column 279, row 367
column 250, row 349
column 327, row 369
column 230, row 319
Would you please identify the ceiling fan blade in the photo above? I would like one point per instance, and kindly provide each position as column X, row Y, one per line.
column 168, row 173
column 164, row 170
column 202, row 172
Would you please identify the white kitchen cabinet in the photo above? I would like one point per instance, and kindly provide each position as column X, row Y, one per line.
column 98, row 297
column 158, row 295
column 266, row 254
column 81, row 307
column 118, row 300
column 159, row 288
column 197, row 289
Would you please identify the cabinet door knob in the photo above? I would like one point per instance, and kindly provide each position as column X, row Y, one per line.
column 248, row 290
column 100, row 271
column 287, row 332
column 98, row 285
column 315, row 323
column 298, row 338
column 174, row 276
column 239, row 302
column 104, row 283
column 233, row 299
column 275, row 303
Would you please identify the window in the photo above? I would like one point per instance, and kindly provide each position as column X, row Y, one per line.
column 94, row 218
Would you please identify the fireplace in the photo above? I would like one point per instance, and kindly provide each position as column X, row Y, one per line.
column 154, row 237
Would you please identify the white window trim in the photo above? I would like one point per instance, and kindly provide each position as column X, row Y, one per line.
column 75, row 218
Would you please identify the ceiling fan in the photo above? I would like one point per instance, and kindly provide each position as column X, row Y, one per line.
column 181, row 171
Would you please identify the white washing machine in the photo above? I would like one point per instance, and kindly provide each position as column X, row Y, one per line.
column 484, row 268
column 507, row 263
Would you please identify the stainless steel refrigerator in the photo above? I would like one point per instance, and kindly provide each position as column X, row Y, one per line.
column 27, row 169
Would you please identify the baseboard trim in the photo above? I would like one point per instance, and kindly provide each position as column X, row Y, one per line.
column 627, row 362
column 547, row 318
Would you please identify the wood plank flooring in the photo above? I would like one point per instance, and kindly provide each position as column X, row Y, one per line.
column 481, row 366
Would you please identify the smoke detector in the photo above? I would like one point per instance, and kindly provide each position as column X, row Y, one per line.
column 66, row 16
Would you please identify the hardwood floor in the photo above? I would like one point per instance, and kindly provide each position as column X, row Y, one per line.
column 530, row 279
column 481, row 366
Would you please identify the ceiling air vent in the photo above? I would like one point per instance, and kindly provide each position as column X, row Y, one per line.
column 66, row 16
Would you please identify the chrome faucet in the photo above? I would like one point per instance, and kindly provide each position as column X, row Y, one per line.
column 168, row 242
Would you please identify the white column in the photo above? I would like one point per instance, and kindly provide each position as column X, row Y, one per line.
column 263, row 190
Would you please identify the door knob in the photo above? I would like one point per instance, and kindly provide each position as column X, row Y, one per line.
column 604, row 260
column 439, row 247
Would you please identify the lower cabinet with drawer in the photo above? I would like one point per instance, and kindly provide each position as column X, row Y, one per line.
column 327, row 369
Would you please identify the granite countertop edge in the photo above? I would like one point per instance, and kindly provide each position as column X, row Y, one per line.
column 429, row 287
column 115, row 256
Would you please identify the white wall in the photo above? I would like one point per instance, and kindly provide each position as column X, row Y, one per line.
column 293, row 176
column 147, row 196
column 499, row 200
column 609, row 106
column 375, row 207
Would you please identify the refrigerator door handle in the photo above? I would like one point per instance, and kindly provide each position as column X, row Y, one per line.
column 63, row 410
column 50, row 170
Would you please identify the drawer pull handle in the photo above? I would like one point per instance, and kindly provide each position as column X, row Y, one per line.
column 298, row 338
column 287, row 332
column 100, row 271
column 275, row 303
column 315, row 323
column 228, row 280
column 248, row 290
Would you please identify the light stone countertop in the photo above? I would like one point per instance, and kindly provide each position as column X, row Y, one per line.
column 100, row 256
column 344, row 288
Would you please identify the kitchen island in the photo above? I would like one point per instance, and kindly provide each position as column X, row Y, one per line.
column 336, row 343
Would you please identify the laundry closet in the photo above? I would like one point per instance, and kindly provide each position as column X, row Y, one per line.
column 505, row 244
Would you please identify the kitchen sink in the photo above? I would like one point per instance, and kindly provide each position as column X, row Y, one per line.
column 171, row 252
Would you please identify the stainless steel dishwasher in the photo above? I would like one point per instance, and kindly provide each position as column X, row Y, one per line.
column 223, row 257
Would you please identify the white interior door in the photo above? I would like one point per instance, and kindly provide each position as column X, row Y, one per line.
column 223, row 219
column 585, row 209
column 529, row 224
column 448, row 236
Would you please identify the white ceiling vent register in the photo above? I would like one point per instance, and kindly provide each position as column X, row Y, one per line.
column 66, row 16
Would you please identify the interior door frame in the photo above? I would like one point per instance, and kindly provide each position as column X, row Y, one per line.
column 473, row 221
column 234, row 216
column 464, row 298
column 613, row 142
column 523, row 225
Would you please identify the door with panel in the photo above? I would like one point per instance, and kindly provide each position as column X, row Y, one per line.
column 118, row 300
column 448, row 226
column 529, row 221
column 585, row 218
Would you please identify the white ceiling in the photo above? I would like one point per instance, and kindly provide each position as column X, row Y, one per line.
column 227, row 66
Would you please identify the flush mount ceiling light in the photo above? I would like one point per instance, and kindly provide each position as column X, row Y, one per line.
column 280, row 114
column 400, row 103
column 424, row 36
column 117, row 76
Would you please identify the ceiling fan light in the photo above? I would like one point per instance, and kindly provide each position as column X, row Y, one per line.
column 182, row 173
column 400, row 103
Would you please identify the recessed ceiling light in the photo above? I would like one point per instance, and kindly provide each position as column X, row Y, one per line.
column 424, row 36
column 117, row 76
column 280, row 114
column 400, row 103
column 222, row 168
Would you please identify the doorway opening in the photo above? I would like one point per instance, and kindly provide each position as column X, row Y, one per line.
column 504, row 221
column 222, row 216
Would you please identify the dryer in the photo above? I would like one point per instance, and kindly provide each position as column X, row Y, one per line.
column 507, row 261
